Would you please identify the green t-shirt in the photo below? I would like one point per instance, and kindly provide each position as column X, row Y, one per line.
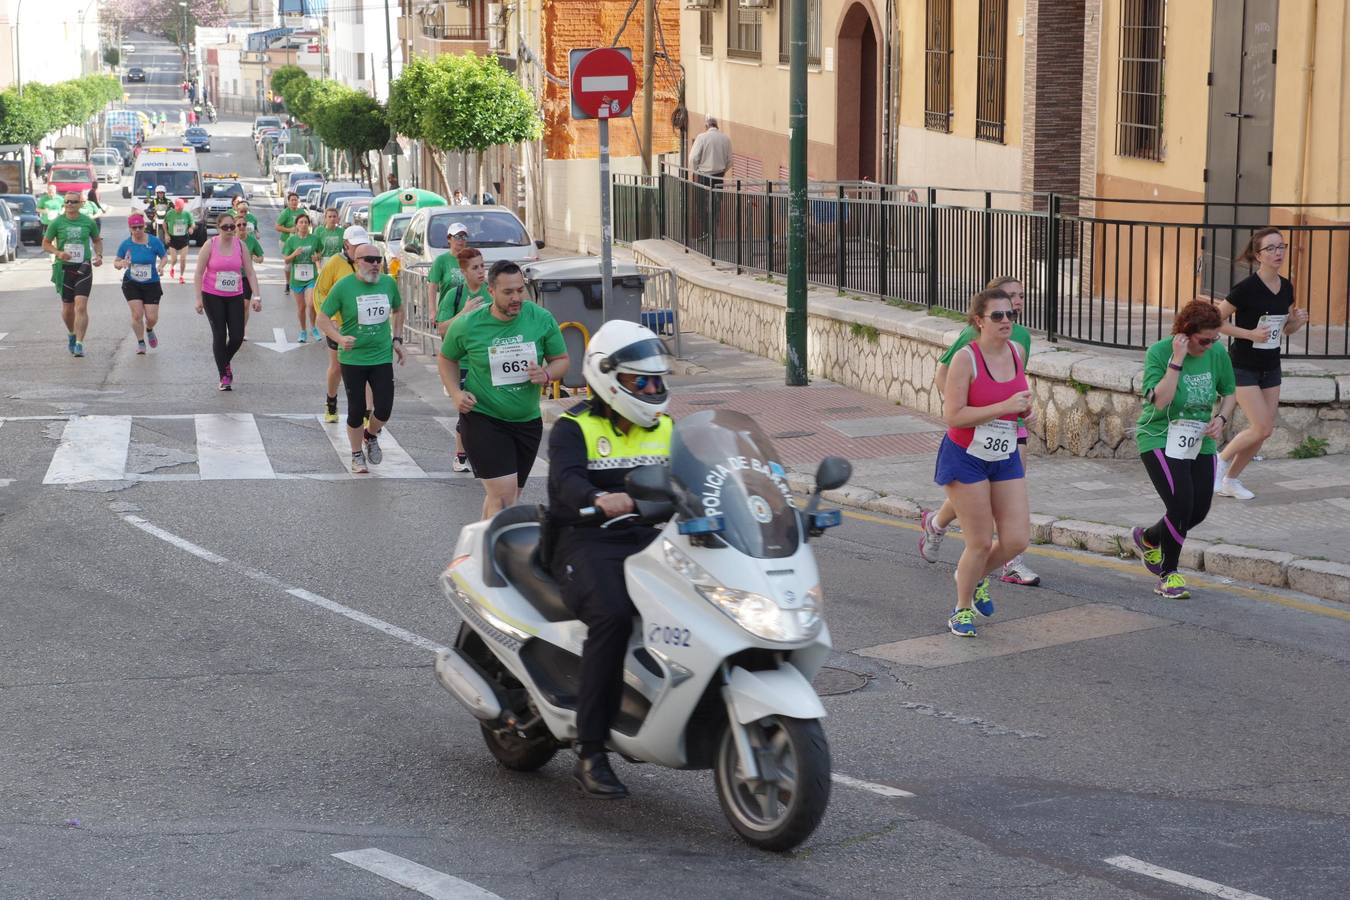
column 1203, row 380
column 365, row 310
column 970, row 333
column 286, row 218
column 453, row 302
column 66, row 233
column 178, row 224
column 50, row 207
column 476, row 342
column 292, row 243
column 445, row 272
column 254, row 248
column 252, row 221
column 330, row 240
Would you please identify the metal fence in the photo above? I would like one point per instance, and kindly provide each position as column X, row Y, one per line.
column 1114, row 276
column 419, row 318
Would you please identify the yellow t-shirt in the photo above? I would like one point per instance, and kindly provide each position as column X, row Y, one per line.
column 333, row 271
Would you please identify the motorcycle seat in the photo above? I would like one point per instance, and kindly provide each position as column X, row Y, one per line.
column 515, row 555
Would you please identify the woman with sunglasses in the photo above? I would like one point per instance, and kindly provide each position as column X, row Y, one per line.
column 1262, row 310
column 979, row 464
column 1184, row 376
column 143, row 257
column 301, row 253
column 223, row 268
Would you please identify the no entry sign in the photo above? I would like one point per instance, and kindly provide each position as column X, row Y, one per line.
column 603, row 83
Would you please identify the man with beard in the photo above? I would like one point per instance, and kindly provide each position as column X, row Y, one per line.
column 372, row 317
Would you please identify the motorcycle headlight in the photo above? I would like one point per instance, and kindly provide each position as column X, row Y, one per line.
column 762, row 616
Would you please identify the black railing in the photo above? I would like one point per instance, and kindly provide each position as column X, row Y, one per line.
column 455, row 32
column 1114, row 276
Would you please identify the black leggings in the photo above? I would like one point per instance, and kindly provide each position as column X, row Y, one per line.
column 1186, row 487
column 381, row 381
column 226, row 315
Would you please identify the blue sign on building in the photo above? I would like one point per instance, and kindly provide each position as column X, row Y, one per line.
column 259, row 41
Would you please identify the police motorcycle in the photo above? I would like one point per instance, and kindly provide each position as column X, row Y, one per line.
column 730, row 632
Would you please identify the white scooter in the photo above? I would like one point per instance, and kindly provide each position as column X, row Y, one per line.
column 719, row 667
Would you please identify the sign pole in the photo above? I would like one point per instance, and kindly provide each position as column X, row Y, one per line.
column 606, row 227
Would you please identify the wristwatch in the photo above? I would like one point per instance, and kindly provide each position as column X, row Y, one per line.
column 398, row 340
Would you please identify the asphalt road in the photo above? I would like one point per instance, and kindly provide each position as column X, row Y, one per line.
column 182, row 720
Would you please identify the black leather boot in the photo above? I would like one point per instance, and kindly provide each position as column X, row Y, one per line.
column 597, row 779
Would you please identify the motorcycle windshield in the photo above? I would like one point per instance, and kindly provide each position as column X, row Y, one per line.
column 729, row 468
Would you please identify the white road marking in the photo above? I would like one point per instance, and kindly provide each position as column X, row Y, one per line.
column 229, row 446
column 357, row 616
column 1204, row 886
column 884, row 790
column 409, row 874
column 397, row 463
column 3, row 335
column 279, row 342
column 93, row 448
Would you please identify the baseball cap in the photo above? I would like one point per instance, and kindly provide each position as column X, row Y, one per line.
column 458, row 228
column 355, row 234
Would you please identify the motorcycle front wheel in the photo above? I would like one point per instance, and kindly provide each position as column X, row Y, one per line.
column 782, row 806
column 518, row 753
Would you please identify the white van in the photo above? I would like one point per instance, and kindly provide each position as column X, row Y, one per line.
column 176, row 169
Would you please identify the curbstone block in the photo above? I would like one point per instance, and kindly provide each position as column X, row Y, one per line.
column 801, row 483
column 850, row 495
column 1343, row 388
column 1055, row 365
column 1106, row 372
column 891, row 505
column 1041, row 529
column 1113, row 540
column 1193, row 554
column 1320, row 578
column 1298, row 389
column 1248, row 564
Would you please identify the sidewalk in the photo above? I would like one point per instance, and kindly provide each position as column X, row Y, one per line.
column 1296, row 533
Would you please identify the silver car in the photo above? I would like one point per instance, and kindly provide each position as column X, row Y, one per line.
column 390, row 241
column 107, row 165
column 493, row 230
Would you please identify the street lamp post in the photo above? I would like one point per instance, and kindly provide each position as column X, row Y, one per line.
column 18, row 42
column 389, row 59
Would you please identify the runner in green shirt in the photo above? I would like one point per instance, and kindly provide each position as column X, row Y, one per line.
column 461, row 300
column 936, row 522
column 445, row 272
column 301, row 252
column 369, row 337
column 511, row 348
column 329, row 234
column 286, row 218
column 250, row 240
column 74, row 239
column 50, row 205
column 178, row 222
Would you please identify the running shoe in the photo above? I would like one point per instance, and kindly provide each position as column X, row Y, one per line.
column 314, row 334
column 78, row 349
column 365, row 422
column 151, row 338
column 140, row 348
column 1172, row 587
column 329, row 413
column 930, row 537
column 180, row 280
column 1152, row 556
column 1231, row 487
column 461, row 463
column 70, row 342
column 984, row 604
column 359, row 466
column 962, row 623
column 1016, row 571
column 304, row 336
column 229, row 370
column 373, row 451
column 170, row 271
column 1220, row 471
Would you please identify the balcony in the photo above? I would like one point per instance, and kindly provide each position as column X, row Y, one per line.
column 433, row 39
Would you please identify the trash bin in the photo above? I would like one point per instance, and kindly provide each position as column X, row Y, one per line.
column 570, row 289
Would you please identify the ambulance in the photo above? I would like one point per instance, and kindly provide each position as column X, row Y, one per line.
column 175, row 169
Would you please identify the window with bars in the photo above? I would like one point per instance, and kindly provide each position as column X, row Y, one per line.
column 991, row 86
column 705, row 32
column 743, row 31
column 813, row 40
column 937, row 104
column 1139, row 101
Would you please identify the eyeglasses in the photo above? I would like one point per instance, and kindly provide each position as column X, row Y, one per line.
column 640, row 382
column 1205, row 342
column 137, row 227
column 72, row 203
column 1276, row 247
column 226, row 228
column 999, row 315
column 371, row 259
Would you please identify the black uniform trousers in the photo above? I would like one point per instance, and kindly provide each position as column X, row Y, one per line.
column 588, row 565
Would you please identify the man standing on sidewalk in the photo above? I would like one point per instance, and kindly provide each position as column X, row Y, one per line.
column 710, row 159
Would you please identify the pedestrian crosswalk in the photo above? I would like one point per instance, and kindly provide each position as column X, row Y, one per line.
column 225, row 447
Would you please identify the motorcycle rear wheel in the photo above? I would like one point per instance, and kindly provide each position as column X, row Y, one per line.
column 517, row 753
column 782, row 807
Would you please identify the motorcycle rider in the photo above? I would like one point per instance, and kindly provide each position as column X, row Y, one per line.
column 591, row 449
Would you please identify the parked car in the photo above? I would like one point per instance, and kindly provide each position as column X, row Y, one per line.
column 336, row 190
column 24, row 208
column 493, row 230
column 107, row 165
column 349, row 207
column 10, row 226
column 135, row 73
column 283, row 165
column 295, row 178
column 128, row 49
column 125, row 150
column 70, row 176
column 265, row 122
column 309, row 199
column 197, row 138
column 390, row 241
column 219, row 193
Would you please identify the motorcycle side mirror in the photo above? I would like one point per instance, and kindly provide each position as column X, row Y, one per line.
column 833, row 473
column 650, row 483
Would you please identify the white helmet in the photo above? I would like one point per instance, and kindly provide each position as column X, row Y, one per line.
column 161, row 189
column 626, row 347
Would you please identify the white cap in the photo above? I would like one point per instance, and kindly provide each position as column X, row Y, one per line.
column 356, row 235
column 457, row 228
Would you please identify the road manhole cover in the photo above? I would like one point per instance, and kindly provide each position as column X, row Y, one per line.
column 706, row 402
column 793, row 434
column 830, row 681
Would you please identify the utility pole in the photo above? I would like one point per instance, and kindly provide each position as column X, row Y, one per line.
column 389, row 58
column 796, row 274
column 648, row 72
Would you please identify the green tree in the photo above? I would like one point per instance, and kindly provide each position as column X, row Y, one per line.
column 408, row 97
column 23, row 120
column 283, row 77
column 353, row 122
column 112, row 56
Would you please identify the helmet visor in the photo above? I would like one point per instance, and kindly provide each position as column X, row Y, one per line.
column 649, row 357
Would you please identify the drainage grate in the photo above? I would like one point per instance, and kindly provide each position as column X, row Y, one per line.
column 830, row 682
column 706, row 402
column 792, row 434
column 837, row 410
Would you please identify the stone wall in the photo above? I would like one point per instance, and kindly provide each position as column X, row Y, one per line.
column 1087, row 399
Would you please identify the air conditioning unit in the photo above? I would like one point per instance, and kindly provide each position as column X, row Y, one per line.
column 755, row 4
column 701, row 4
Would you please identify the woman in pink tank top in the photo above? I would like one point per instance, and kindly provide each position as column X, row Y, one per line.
column 223, row 268
column 979, row 464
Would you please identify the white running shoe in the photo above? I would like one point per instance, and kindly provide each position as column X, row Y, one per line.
column 1231, row 487
column 1220, row 471
column 1016, row 571
column 461, row 463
